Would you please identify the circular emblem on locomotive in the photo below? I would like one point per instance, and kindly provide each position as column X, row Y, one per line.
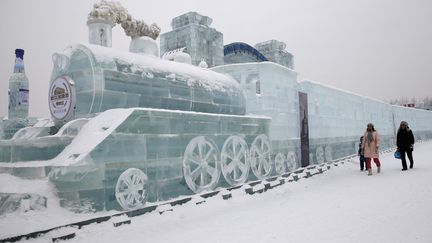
column 61, row 98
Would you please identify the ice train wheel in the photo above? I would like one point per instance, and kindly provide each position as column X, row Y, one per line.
column 131, row 189
column 319, row 153
column 292, row 161
column 235, row 160
column 261, row 157
column 280, row 163
column 201, row 164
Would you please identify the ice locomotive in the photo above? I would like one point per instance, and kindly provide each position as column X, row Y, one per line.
column 191, row 129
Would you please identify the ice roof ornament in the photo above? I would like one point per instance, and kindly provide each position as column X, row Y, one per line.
column 203, row 64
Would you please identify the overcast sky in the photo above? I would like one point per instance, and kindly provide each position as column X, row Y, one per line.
column 377, row 48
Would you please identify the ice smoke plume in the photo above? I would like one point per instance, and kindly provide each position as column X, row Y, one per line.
column 116, row 13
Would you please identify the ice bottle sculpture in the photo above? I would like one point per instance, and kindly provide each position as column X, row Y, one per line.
column 18, row 89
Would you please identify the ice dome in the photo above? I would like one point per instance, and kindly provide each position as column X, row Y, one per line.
column 183, row 57
column 144, row 45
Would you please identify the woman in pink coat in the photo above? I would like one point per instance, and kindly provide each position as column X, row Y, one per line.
column 371, row 142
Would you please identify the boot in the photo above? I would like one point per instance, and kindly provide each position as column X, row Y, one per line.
column 370, row 172
column 379, row 170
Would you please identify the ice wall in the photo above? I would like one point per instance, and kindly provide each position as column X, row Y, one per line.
column 418, row 120
column 338, row 118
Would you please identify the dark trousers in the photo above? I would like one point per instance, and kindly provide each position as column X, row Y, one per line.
column 362, row 162
column 409, row 153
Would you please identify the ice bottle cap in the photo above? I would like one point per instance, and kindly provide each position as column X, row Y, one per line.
column 19, row 53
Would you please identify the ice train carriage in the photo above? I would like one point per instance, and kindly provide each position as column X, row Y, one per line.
column 335, row 118
column 190, row 129
column 419, row 120
column 338, row 118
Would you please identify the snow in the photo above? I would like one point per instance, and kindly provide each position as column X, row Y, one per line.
column 21, row 223
column 341, row 205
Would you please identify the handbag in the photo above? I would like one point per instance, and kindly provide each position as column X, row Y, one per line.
column 397, row 154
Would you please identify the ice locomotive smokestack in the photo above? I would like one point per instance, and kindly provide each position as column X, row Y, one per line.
column 101, row 20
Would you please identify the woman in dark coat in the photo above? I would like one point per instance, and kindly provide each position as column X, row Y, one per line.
column 405, row 144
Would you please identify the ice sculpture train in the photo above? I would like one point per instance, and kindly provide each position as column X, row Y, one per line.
column 130, row 128
column 195, row 124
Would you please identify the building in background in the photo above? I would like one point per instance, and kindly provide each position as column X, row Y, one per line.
column 192, row 34
column 272, row 50
column 275, row 51
column 239, row 52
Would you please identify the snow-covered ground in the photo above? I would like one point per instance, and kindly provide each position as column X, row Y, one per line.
column 341, row 205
